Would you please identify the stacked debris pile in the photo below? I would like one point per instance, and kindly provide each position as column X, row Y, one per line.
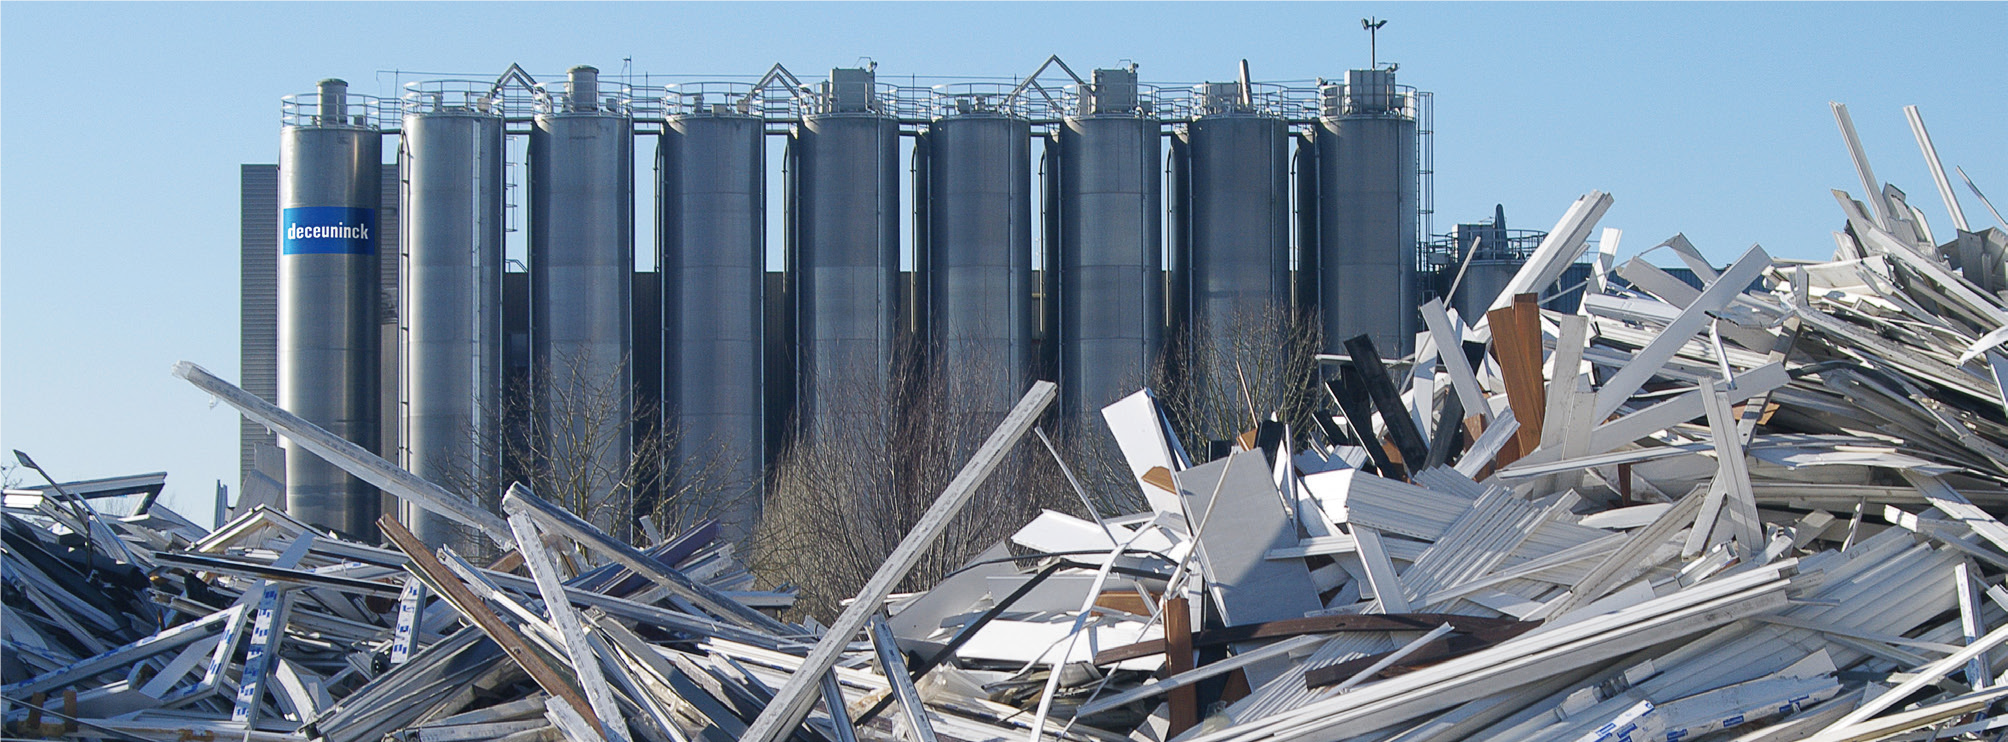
column 1764, row 509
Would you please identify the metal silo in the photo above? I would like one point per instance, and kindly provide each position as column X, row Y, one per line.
column 978, row 247
column 1238, row 267
column 1483, row 280
column 452, row 158
column 1488, row 255
column 711, row 254
column 1367, row 212
column 844, row 255
column 1111, row 281
column 330, row 163
column 581, row 315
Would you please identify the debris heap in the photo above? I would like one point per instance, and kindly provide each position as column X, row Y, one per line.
column 1766, row 508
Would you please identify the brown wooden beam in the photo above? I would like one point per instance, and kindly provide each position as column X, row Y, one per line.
column 1178, row 659
column 1316, row 625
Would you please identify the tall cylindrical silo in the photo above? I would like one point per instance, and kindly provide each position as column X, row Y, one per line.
column 979, row 257
column 330, row 164
column 1111, row 284
column 1367, row 212
column 581, row 296
column 1238, row 276
column 452, row 159
column 845, row 257
column 711, row 254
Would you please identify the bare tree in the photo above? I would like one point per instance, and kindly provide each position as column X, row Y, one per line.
column 841, row 499
column 598, row 453
column 1217, row 382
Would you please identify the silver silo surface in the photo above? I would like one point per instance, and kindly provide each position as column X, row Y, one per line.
column 1367, row 208
column 581, row 293
column 1111, row 286
column 451, row 306
column 329, row 187
column 1239, row 269
column 712, row 259
column 845, row 265
column 979, row 257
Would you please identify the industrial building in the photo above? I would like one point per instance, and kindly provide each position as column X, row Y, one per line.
column 1058, row 227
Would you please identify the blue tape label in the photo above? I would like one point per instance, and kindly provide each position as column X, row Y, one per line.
column 327, row 230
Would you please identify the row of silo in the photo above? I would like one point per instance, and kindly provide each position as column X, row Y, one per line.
column 1110, row 296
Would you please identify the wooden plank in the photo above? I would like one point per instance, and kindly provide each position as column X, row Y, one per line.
column 792, row 701
column 464, row 600
column 1333, row 624
column 1178, row 659
column 1516, row 342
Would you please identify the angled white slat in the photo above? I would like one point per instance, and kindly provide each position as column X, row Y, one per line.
column 1691, row 320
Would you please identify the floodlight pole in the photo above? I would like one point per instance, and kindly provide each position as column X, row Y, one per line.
column 1373, row 26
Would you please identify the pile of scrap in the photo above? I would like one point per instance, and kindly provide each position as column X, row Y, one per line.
column 1764, row 508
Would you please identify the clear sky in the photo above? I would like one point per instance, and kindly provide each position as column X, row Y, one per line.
column 122, row 127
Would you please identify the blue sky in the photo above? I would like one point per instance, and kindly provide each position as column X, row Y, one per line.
column 122, row 127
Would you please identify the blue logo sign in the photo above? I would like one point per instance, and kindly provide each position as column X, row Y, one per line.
column 327, row 230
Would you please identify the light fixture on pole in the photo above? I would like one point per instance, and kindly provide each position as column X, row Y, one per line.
column 1373, row 27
